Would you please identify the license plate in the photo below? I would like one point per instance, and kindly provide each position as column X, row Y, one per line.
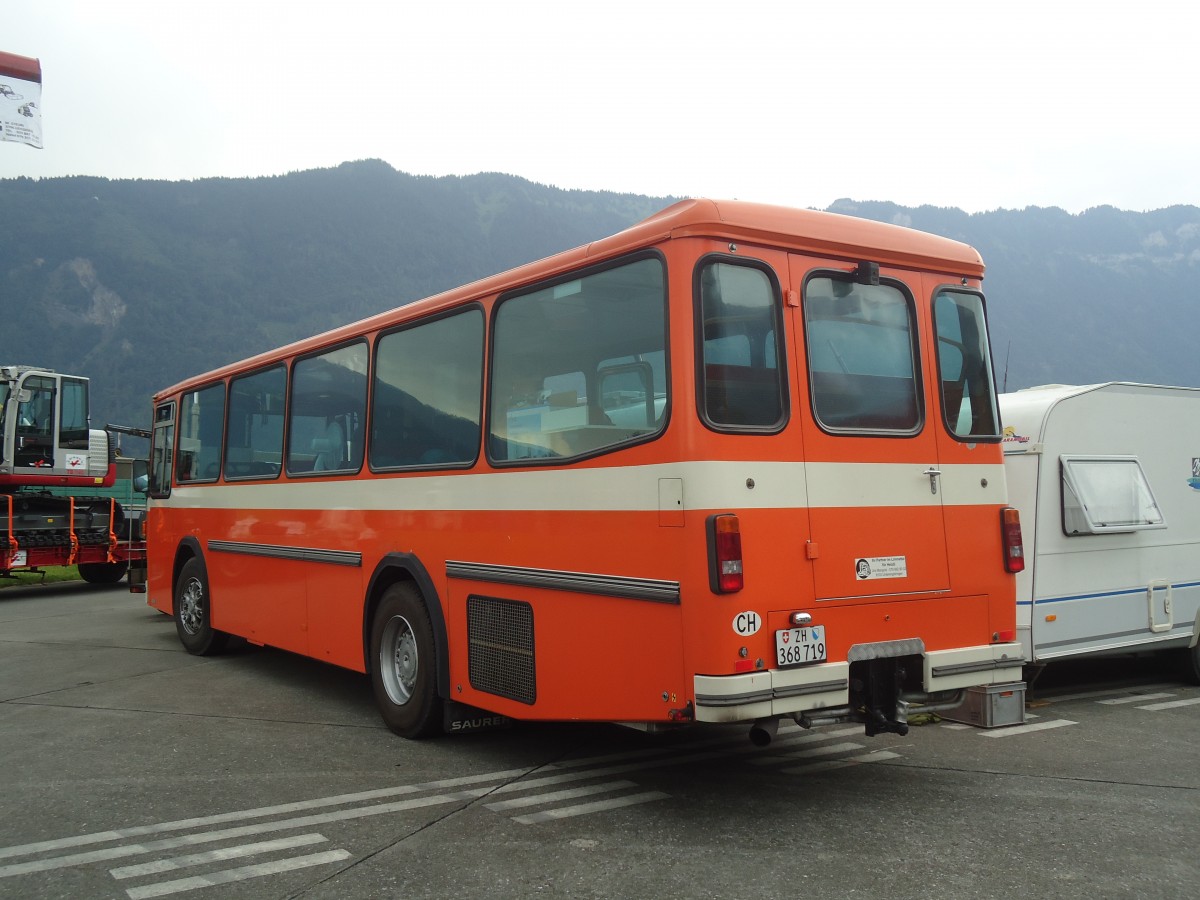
column 798, row 646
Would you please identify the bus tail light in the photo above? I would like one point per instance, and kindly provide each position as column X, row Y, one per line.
column 1014, row 547
column 725, row 554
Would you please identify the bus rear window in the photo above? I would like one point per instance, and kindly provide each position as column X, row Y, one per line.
column 861, row 356
column 965, row 366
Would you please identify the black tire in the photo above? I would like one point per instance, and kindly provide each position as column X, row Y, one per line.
column 193, row 612
column 404, row 664
column 1189, row 664
column 103, row 573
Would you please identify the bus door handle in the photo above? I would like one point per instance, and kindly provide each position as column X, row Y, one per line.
column 934, row 473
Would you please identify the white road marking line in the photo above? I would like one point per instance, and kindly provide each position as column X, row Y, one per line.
column 955, row 726
column 117, row 834
column 1102, row 692
column 74, row 859
column 830, row 750
column 673, row 753
column 228, row 876
column 553, row 796
column 824, row 765
column 1013, row 730
column 584, row 809
column 1172, row 704
column 1116, row 701
column 195, row 859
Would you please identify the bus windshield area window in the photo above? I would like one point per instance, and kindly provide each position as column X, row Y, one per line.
column 580, row 367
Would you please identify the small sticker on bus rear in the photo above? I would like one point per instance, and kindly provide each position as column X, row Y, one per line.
column 868, row 568
column 747, row 623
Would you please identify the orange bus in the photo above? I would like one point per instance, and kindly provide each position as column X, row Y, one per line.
column 734, row 464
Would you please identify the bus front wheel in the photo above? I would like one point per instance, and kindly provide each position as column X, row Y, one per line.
column 404, row 664
column 193, row 612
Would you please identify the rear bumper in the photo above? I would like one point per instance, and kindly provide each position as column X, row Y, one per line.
column 785, row 692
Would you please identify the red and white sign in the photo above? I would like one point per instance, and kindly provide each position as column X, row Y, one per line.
column 20, row 100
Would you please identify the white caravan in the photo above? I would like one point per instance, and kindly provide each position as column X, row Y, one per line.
column 1107, row 480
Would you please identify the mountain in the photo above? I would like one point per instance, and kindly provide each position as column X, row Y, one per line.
column 1106, row 295
column 138, row 284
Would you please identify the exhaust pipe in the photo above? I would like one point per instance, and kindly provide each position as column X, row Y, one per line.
column 763, row 731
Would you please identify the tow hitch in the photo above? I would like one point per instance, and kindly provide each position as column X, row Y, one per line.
column 880, row 696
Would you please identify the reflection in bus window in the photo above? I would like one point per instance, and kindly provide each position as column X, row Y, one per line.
column 554, row 392
column 965, row 364
column 201, row 419
column 861, row 356
column 254, row 441
column 426, row 403
column 742, row 385
column 329, row 401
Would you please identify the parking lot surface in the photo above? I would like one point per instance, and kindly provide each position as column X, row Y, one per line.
column 134, row 770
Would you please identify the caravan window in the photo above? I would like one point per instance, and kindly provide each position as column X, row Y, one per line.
column 1103, row 494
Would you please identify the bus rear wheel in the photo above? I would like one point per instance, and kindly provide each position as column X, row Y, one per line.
column 103, row 573
column 193, row 612
column 404, row 664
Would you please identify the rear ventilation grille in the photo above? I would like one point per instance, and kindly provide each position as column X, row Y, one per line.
column 500, row 648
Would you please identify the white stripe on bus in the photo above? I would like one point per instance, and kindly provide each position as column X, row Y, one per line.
column 712, row 485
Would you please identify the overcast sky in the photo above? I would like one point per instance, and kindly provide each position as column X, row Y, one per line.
column 973, row 103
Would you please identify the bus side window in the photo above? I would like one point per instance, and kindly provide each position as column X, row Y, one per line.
column 428, row 394
column 549, row 350
column 742, row 385
column 329, row 402
column 200, row 426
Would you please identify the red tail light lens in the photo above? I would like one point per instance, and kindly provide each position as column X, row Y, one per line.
column 725, row 554
column 1014, row 547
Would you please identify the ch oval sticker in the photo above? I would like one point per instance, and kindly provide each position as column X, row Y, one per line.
column 747, row 623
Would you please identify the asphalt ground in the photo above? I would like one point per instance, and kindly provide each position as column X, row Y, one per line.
column 129, row 769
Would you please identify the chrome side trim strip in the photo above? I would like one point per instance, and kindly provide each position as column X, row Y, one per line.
column 986, row 665
column 628, row 588
column 820, row 687
column 733, row 699
column 305, row 554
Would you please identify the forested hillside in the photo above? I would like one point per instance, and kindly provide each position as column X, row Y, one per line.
column 140, row 283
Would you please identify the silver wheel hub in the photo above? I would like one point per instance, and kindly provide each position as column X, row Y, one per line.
column 399, row 662
column 191, row 607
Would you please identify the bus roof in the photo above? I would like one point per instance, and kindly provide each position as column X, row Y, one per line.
column 800, row 230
